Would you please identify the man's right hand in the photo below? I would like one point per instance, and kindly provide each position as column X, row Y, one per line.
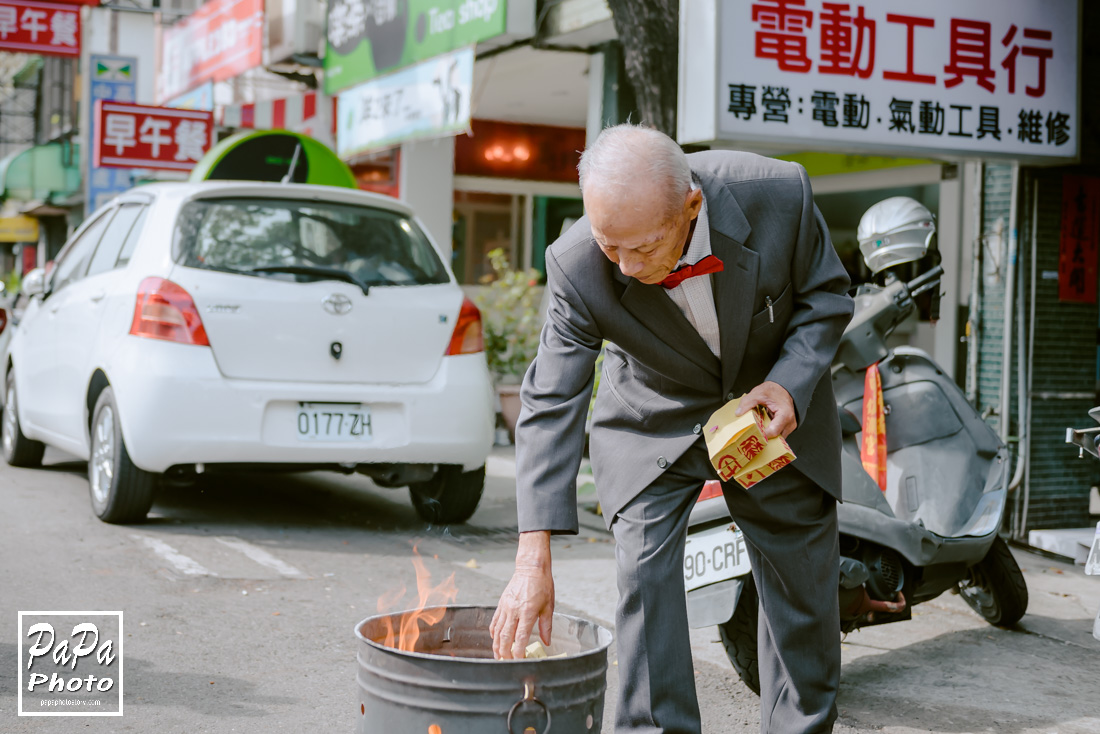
column 529, row 597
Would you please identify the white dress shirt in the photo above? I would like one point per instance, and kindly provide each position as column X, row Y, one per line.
column 695, row 296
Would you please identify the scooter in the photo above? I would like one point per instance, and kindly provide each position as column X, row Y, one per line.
column 934, row 527
column 1087, row 441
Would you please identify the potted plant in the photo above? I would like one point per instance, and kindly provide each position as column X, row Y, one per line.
column 511, row 322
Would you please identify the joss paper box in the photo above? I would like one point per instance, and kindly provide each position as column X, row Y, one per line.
column 738, row 448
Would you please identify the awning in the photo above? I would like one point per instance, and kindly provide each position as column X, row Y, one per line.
column 43, row 173
column 311, row 113
column 264, row 155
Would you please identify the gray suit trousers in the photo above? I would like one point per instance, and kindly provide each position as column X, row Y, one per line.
column 790, row 528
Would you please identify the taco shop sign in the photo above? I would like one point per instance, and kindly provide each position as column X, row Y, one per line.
column 945, row 77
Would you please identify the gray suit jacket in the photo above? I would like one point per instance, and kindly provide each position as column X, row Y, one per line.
column 660, row 382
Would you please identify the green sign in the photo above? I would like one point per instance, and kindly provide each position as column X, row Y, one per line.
column 367, row 38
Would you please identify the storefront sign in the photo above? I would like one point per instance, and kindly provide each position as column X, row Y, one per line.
column 959, row 78
column 136, row 136
column 113, row 79
column 366, row 38
column 40, row 28
column 429, row 100
column 199, row 98
column 1077, row 257
column 217, row 42
column 18, row 229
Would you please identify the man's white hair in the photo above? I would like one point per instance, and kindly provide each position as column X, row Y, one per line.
column 624, row 156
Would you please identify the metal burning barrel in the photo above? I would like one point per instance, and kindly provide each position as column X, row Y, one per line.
column 450, row 683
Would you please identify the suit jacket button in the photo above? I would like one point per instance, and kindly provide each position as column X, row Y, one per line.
column 698, row 429
column 662, row 462
column 729, row 397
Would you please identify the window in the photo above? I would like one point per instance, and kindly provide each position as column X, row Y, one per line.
column 117, row 234
column 305, row 240
column 73, row 260
column 132, row 239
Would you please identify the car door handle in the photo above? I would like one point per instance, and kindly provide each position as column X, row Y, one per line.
column 98, row 296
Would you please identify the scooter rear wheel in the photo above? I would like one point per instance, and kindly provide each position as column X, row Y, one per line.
column 995, row 588
column 739, row 636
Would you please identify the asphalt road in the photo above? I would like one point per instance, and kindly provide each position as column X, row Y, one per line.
column 241, row 594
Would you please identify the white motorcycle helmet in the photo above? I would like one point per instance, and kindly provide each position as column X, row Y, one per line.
column 895, row 231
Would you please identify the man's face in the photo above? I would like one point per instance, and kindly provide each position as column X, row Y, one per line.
column 640, row 235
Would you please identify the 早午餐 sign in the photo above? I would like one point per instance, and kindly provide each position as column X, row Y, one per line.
column 367, row 38
column 966, row 77
column 40, row 28
column 137, row 136
column 217, row 42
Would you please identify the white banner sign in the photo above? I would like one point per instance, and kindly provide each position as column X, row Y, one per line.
column 428, row 100
column 947, row 77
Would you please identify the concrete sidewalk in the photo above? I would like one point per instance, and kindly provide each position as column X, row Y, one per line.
column 944, row 671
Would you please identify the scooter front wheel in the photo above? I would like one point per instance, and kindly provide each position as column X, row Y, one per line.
column 739, row 636
column 995, row 588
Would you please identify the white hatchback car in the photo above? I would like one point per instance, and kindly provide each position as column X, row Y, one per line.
column 219, row 326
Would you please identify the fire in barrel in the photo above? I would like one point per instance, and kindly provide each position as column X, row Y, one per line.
column 430, row 670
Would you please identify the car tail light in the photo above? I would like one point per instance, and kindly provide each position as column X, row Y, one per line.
column 711, row 489
column 467, row 338
column 166, row 311
column 3, row 319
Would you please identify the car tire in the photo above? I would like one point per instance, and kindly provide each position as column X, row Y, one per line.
column 120, row 492
column 995, row 588
column 450, row 497
column 18, row 449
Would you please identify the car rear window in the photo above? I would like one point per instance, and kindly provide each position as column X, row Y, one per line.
column 261, row 236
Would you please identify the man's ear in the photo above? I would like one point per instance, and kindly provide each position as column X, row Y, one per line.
column 693, row 203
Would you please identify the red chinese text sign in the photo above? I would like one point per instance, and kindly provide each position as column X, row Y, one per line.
column 138, row 136
column 1077, row 254
column 40, row 28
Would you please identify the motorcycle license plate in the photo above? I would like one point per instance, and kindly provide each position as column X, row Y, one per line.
column 714, row 555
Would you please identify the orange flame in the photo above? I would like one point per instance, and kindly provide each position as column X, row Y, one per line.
column 440, row 596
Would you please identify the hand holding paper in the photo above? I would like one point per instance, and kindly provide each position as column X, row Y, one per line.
column 777, row 400
column 741, row 443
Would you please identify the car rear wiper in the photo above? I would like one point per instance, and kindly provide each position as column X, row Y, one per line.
column 322, row 272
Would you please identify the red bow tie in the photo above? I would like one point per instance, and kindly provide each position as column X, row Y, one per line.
column 706, row 266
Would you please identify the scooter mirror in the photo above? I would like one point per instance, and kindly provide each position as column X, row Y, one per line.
column 895, row 231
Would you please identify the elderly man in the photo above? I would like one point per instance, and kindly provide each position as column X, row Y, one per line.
column 709, row 276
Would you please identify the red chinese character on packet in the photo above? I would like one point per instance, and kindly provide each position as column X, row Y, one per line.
column 751, row 446
column 727, row 467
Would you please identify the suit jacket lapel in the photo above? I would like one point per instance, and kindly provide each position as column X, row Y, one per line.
column 735, row 286
column 734, row 294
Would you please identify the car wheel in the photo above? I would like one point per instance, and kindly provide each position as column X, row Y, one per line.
column 121, row 492
column 18, row 449
column 451, row 496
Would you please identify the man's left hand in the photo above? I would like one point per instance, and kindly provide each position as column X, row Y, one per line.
column 777, row 400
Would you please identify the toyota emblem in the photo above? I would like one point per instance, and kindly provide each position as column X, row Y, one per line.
column 337, row 304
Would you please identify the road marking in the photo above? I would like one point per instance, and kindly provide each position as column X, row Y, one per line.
column 183, row 564
column 260, row 556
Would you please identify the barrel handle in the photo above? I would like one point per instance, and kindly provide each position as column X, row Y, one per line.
column 528, row 697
